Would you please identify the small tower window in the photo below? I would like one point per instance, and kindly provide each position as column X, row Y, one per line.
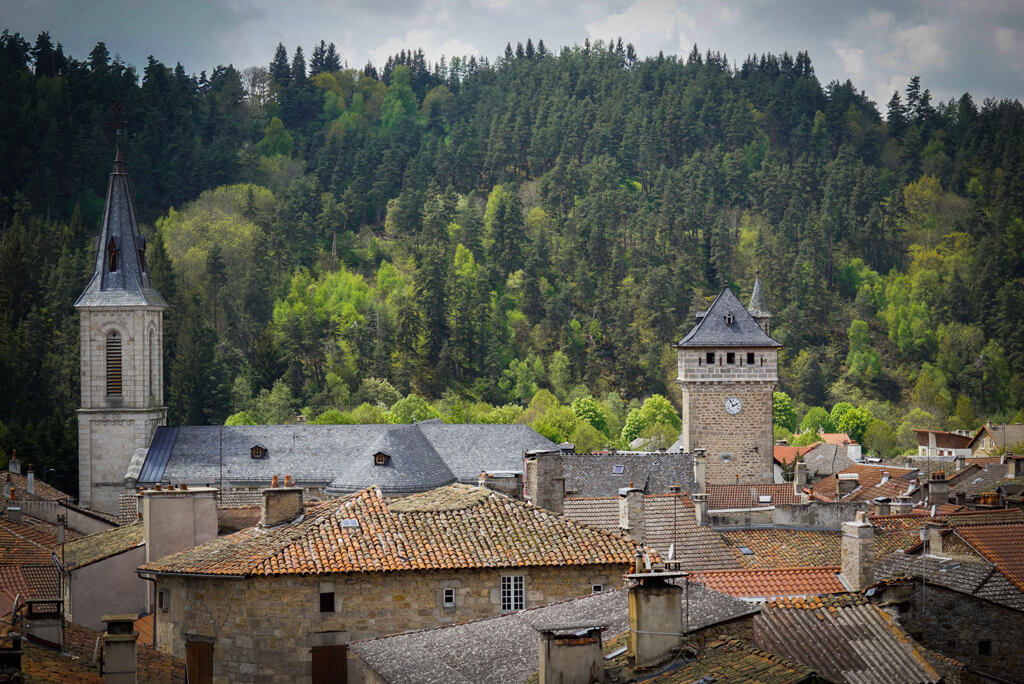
column 258, row 451
column 380, row 459
column 710, row 358
column 730, row 357
column 729, row 318
column 112, row 255
column 750, row 358
column 114, row 364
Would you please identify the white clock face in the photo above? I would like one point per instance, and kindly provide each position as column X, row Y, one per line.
column 733, row 405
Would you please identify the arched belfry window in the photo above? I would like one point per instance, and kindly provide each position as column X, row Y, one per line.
column 114, row 364
column 112, row 255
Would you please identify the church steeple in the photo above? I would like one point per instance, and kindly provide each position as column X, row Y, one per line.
column 119, row 275
column 758, row 309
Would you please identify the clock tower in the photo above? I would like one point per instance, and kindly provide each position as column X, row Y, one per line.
column 728, row 369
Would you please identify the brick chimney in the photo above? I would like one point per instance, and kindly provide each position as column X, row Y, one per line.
column 570, row 653
column 631, row 512
column 799, row 477
column 120, row 649
column 700, row 508
column 280, row 504
column 858, row 553
column 545, row 479
column 938, row 489
column 177, row 519
column 30, row 480
column 655, row 617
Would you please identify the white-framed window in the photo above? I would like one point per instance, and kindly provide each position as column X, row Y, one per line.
column 448, row 597
column 596, row 588
column 513, row 592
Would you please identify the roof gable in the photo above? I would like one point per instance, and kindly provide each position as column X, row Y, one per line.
column 713, row 329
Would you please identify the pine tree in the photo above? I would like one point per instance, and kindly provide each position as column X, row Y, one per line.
column 280, row 71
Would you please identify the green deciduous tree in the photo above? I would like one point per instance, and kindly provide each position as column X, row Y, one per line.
column 783, row 412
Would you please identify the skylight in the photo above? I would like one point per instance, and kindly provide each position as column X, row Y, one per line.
column 745, row 550
column 618, row 469
column 764, row 498
column 349, row 522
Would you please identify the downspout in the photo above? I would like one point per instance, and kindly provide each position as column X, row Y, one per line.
column 153, row 605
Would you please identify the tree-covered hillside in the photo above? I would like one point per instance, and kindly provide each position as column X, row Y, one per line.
column 512, row 240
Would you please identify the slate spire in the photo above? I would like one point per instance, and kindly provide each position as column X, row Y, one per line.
column 757, row 305
column 120, row 276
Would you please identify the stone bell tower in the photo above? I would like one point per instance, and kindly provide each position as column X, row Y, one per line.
column 728, row 369
column 122, row 333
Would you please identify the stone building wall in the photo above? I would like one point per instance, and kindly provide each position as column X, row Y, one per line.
column 266, row 626
column 693, row 366
column 739, row 447
column 956, row 624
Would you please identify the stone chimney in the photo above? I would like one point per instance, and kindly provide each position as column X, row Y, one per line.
column 799, row 477
column 545, row 479
column 853, row 451
column 900, row 506
column 858, row 553
column 570, row 654
column 847, row 482
column 700, row 468
column 655, row 617
column 932, row 533
column 881, row 506
column 700, row 508
column 30, row 480
column 481, row 480
column 44, row 620
column 7, row 485
column 119, row 649
column 631, row 512
column 960, row 460
column 14, row 465
column 280, row 504
column 177, row 519
column 14, row 514
column 938, row 489
column 1014, row 467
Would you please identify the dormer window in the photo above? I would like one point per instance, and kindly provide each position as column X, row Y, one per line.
column 258, row 451
column 380, row 459
column 729, row 318
column 112, row 255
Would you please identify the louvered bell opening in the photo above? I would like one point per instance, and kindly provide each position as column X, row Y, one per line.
column 114, row 364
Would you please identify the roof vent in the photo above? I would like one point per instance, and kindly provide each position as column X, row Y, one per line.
column 258, row 451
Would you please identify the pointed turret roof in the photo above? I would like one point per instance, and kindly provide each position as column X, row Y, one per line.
column 727, row 324
column 758, row 308
column 120, row 245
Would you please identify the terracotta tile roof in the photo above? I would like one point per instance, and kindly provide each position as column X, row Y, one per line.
column 784, row 548
column 734, row 661
column 943, row 439
column 22, row 543
column 27, row 581
column 785, row 454
column 844, row 639
column 749, row 496
column 144, row 626
column 772, row 582
column 457, row 526
column 153, row 666
column 868, row 478
column 835, row 438
column 96, row 547
column 19, row 488
column 669, row 524
column 1001, row 545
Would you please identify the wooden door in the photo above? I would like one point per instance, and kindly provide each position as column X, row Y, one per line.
column 329, row 664
column 199, row 662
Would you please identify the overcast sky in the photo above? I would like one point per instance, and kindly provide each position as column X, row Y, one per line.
column 955, row 47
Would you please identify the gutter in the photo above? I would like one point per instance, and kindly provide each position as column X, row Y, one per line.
column 145, row 574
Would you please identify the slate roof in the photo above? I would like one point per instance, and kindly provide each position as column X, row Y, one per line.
column 1001, row 545
column 655, row 472
column 826, row 459
column 669, row 523
column 977, row 579
column 749, row 496
column 711, row 329
column 844, row 639
column 781, row 547
column 729, row 660
column 129, row 284
column 769, row 583
column 504, row 648
column 449, row 528
column 974, row 480
column 1012, row 434
column 757, row 306
column 869, row 477
column 96, row 547
column 422, row 455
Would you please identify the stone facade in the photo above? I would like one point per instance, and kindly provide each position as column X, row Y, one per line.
column 983, row 635
column 112, row 427
column 265, row 626
column 739, row 446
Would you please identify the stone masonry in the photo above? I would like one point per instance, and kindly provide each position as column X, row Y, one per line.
column 263, row 627
column 111, row 428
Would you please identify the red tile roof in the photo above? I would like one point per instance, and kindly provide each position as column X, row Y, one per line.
column 784, row 548
column 748, row 496
column 836, row 438
column 999, row 544
column 457, row 526
column 772, row 582
column 22, row 543
column 868, row 477
column 19, row 488
column 784, row 454
column 943, row 439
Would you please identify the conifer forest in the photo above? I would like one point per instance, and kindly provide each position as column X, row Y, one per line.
column 513, row 240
